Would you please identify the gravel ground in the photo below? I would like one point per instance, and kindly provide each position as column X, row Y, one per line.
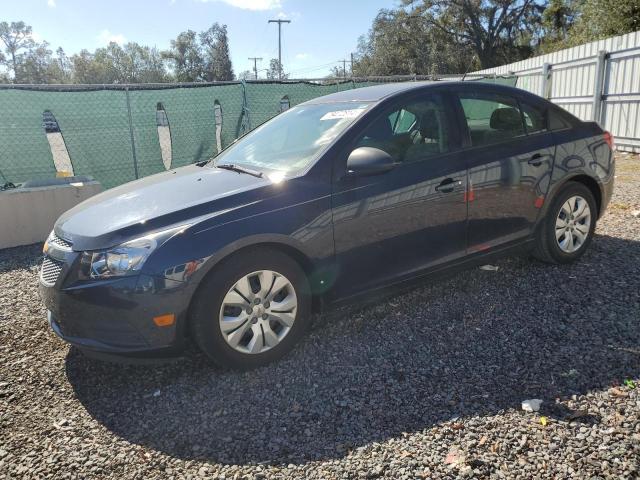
column 425, row 384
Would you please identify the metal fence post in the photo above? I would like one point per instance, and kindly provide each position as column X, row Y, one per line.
column 596, row 110
column 546, row 81
column 133, row 143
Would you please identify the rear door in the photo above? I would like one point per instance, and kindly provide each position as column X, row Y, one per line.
column 391, row 226
column 510, row 153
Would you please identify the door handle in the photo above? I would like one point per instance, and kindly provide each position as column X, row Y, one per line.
column 447, row 185
column 536, row 160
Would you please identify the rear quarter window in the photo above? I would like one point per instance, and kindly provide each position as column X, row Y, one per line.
column 535, row 118
column 557, row 120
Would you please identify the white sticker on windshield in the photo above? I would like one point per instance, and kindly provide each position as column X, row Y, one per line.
column 353, row 113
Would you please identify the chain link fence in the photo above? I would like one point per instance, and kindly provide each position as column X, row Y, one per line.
column 117, row 133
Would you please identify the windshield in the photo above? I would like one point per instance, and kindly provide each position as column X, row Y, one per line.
column 291, row 141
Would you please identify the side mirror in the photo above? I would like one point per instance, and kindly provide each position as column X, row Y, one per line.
column 369, row 161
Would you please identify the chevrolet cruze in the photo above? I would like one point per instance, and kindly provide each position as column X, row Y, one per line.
column 328, row 203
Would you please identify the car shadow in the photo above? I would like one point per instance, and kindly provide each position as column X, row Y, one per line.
column 475, row 344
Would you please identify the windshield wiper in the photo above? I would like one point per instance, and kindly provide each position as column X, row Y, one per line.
column 239, row 169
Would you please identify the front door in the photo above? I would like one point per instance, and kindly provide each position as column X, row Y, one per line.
column 391, row 226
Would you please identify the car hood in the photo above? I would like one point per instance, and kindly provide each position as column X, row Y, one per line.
column 153, row 203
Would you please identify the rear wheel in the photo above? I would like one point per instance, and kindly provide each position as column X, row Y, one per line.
column 568, row 228
column 252, row 309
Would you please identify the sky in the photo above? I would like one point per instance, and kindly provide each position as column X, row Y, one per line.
column 321, row 32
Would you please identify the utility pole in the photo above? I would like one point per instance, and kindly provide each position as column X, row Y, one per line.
column 280, row 22
column 344, row 66
column 255, row 64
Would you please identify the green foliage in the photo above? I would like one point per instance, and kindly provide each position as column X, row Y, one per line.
column 132, row 63
column 217, row 60
column 17, row 40
column 448, row 36
column 423, row 37
column 275, row 70
column 201, row 57
column 186, row 57
column 496, row 31
column 194, row 57
column 453, row 36
column 246, row 75
column 558, row 19
column 605, row 18
column 569, row 23
column 400, row 42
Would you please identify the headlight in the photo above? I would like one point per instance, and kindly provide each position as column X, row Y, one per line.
column 125, row 259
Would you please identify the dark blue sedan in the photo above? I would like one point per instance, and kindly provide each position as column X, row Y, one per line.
column 331, row 202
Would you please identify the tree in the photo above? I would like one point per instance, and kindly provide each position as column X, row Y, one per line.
column 558, row 19
column 87, row 70
column 186, row 56
column 605, row 18
column 132, row 63
column 35, row 66
column 496, row 31
column 62, row 67
column 339, row 72
column 275, row 71
column 146, row 64
column 215, row 46
column 246, row 75
column 16, row 37
column 401, row 43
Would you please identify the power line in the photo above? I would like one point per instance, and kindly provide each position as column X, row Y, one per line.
column 313, row 67
column 255, row 64
column 279, row 22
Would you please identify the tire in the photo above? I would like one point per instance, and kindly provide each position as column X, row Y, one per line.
column 548, row 247
column 225, row 285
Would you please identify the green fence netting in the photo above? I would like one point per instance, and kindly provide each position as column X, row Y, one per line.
column 112, row 132
column 24, row 150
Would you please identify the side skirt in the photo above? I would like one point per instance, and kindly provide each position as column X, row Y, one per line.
column 440, row 272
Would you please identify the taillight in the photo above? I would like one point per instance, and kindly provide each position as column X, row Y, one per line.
column 609, row 139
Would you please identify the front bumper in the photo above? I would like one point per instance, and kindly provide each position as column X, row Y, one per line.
column 116, row 316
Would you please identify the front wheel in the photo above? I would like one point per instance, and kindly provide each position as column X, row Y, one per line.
column 252, row 309
column 567, row 229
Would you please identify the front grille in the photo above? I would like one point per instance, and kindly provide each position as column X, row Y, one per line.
column 60, row 242
column 50, row 270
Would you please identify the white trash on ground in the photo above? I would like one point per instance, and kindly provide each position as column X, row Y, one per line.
column 490, row 268
column 532, row 405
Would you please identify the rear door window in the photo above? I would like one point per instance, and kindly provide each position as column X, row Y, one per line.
column 491, row 118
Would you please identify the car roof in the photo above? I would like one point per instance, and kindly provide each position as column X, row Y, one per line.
column 370, row 94
column 378, row 93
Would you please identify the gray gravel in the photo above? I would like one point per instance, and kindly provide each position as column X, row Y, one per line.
column 425, row 384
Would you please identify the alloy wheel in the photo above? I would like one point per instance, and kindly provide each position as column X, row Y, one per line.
column 573, row 224
column 258, row 311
